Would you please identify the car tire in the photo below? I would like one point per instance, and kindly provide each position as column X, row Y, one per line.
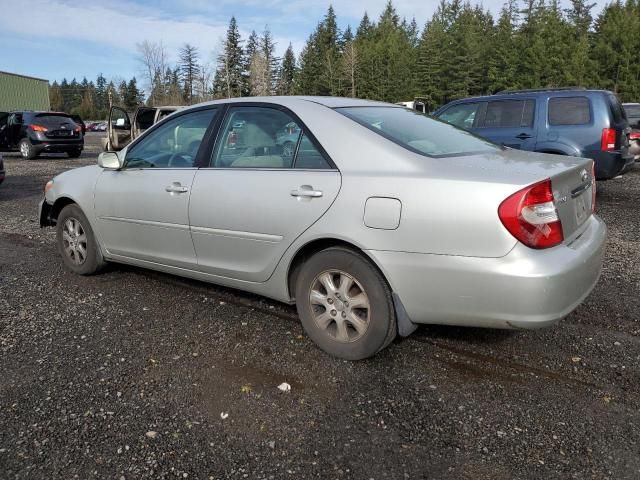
column 345, row 304
column 27, row 150
column 77, row 243
column 75, row 153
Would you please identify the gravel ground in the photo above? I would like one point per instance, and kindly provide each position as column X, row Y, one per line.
column 129, row 374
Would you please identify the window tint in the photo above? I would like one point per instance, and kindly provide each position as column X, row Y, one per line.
column 257, row 137
column 461, row 116
column 173, row 145
column 569, row 111
column 308, row 156
column 417, row 132
column 509, row 114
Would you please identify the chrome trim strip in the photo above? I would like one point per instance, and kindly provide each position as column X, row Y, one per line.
column 259, row 237
column 151, row 223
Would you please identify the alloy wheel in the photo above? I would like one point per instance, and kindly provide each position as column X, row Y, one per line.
column 340, row 306
column 74, row 241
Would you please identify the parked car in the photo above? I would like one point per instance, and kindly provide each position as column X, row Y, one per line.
column 122, row 130
column 576, row 122
column 2, row 171
column 383, row 219
column 101, row 127
column 633, row 115
column 33, row 133
column 632, row 110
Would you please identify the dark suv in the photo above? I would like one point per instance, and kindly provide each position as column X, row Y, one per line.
column 578, row 122
column 32, row 133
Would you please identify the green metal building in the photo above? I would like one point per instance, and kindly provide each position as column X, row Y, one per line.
column 19, row 92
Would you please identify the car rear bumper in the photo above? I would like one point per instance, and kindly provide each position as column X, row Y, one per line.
column 525, row 289
column 610, row 164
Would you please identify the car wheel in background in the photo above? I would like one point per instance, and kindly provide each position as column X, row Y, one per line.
column 77, row 243
column 74, row 153
column 345, row 304
column 26, row 149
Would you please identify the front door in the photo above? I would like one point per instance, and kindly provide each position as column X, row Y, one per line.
column 259, row 194
column 509, row 123
column 119, row 131
column 142, row 209
column 4, row 117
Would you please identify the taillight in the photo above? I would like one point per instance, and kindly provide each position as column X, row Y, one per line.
column 530, row 215
column 634, row 136
column 232, row 139
column 608, row 141
column 593, row 186
column 38, row 128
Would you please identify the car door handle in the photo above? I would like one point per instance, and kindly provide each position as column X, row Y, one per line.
column 523, row 136
column 306, row 191
column 175, row 187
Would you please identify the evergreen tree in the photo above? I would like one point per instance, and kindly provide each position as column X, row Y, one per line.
column 267, row 48
column 287, row 73
column 190, row 69
column 249, row 52
column 229, row 74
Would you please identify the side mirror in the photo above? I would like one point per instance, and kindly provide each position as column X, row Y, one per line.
column 109, row 160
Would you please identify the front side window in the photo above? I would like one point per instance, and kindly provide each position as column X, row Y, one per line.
column 509, row 114
column 569, row 111
column 262, row 137
column 172, row 145
column 417, row 132
column 461, row 116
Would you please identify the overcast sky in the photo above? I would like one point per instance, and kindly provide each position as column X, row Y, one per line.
column 66, row 38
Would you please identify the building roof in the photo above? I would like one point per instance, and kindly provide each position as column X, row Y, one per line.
column 23, row 76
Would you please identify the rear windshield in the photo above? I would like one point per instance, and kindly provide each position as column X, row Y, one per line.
column 53, row 119
column 418, row 132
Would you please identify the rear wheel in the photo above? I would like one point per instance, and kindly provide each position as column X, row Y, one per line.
column 345, row 304
column 77, row 243
column 27, row 150
column 75, row 153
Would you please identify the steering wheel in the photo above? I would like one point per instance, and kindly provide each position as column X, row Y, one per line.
column 178, row 160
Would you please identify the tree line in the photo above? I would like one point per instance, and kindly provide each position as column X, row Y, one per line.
column 461, row 51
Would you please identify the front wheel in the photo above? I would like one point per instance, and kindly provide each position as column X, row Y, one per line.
column 77, row 243
column 345, row 304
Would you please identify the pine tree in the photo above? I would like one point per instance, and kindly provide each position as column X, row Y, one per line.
column 190, row 69
column 267, row 48
column 249, row 52
column 229, row 74
column 287, row 73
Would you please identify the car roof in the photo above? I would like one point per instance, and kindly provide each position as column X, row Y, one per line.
column 330, row 102
column 532, row 93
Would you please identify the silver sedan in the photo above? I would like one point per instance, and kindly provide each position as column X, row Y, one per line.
column 376, row 219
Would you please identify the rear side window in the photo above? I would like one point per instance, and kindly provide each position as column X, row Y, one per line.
column 569, row 111
column 417, row 132
column 509, row 114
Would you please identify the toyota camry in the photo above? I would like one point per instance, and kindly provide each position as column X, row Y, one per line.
column 374, row 219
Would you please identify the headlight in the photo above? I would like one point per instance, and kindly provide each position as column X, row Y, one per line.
column 48, row 186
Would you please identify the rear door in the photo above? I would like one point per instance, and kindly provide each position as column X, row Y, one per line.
column 119, row 129
column 143, row 119
column 256, row 197
column 509, row 122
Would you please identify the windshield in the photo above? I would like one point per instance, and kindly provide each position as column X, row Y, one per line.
column 418, row 132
